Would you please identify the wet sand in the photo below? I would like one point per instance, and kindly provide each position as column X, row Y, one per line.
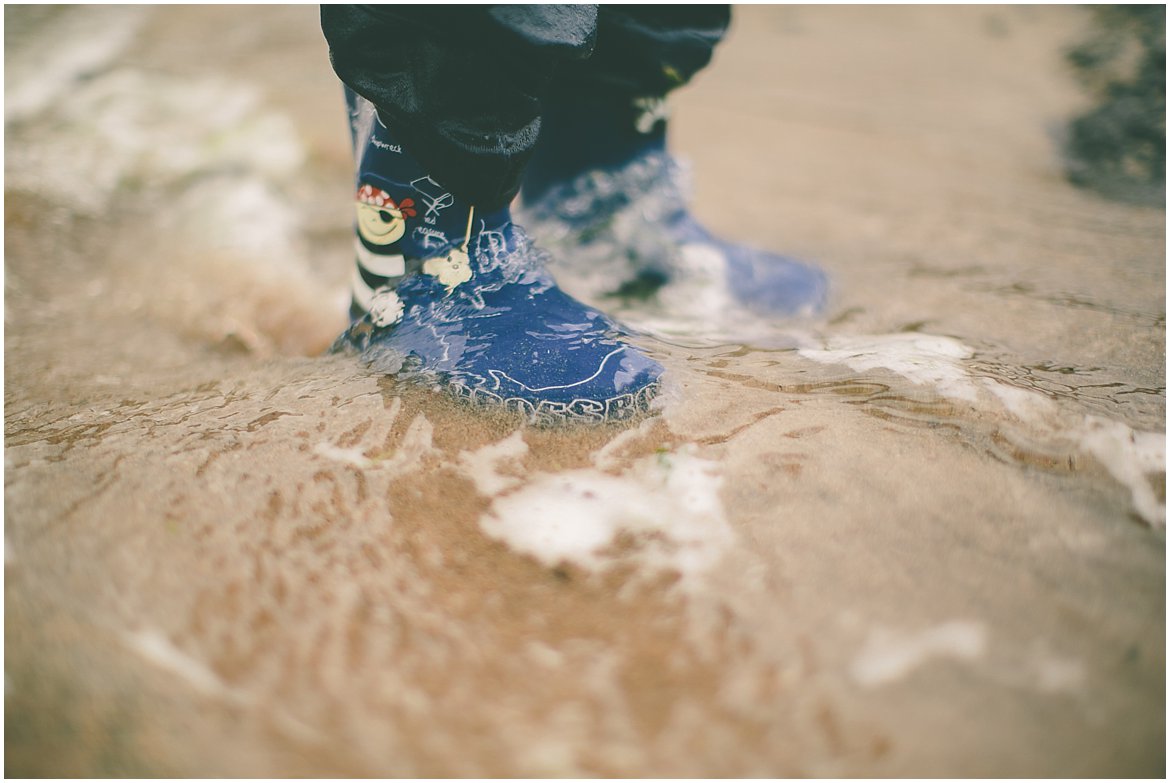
column 922, row 535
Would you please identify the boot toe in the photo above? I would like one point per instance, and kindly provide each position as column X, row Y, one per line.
column 523, row 346
column 773, row 284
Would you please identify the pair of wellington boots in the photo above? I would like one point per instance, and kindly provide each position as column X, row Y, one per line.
column 464, row 299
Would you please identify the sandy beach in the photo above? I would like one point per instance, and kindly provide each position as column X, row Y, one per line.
column 920, row 535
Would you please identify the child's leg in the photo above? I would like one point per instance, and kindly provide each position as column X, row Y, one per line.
column 602, row 190
column 606, row 110
column 445, row 286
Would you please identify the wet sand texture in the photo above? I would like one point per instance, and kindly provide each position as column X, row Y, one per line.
column 923, row 535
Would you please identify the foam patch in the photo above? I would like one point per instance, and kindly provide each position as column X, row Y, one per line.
column 666, row 508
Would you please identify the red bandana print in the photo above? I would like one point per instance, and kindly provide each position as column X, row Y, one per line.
column 376, row 197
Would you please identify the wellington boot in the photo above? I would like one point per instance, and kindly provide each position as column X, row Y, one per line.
column 462, row 299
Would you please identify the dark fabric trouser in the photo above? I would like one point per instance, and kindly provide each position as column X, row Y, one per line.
column 465, row 87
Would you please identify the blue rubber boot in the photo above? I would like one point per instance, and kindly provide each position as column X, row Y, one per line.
column 453, row 296
column 611, row 204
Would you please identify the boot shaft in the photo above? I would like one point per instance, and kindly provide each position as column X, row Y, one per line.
column 401, row 210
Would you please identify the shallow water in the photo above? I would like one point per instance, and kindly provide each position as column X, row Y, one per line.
column 940, row 505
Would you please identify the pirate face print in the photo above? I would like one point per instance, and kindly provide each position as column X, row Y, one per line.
column 380, row 220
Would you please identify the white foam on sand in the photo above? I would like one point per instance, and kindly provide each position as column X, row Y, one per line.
column 353, row 456
column 217, row 174
column 1131, row 457
column 40, row 68
column 128, row 127
column 888, row 656
column 920, row 358
column 158, row 650
column 1058, row 675
column 664, row 512
column 409, row 454
column 483, row 465
column 417, row 444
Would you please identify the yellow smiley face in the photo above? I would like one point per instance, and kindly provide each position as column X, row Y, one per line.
column 380, row 225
